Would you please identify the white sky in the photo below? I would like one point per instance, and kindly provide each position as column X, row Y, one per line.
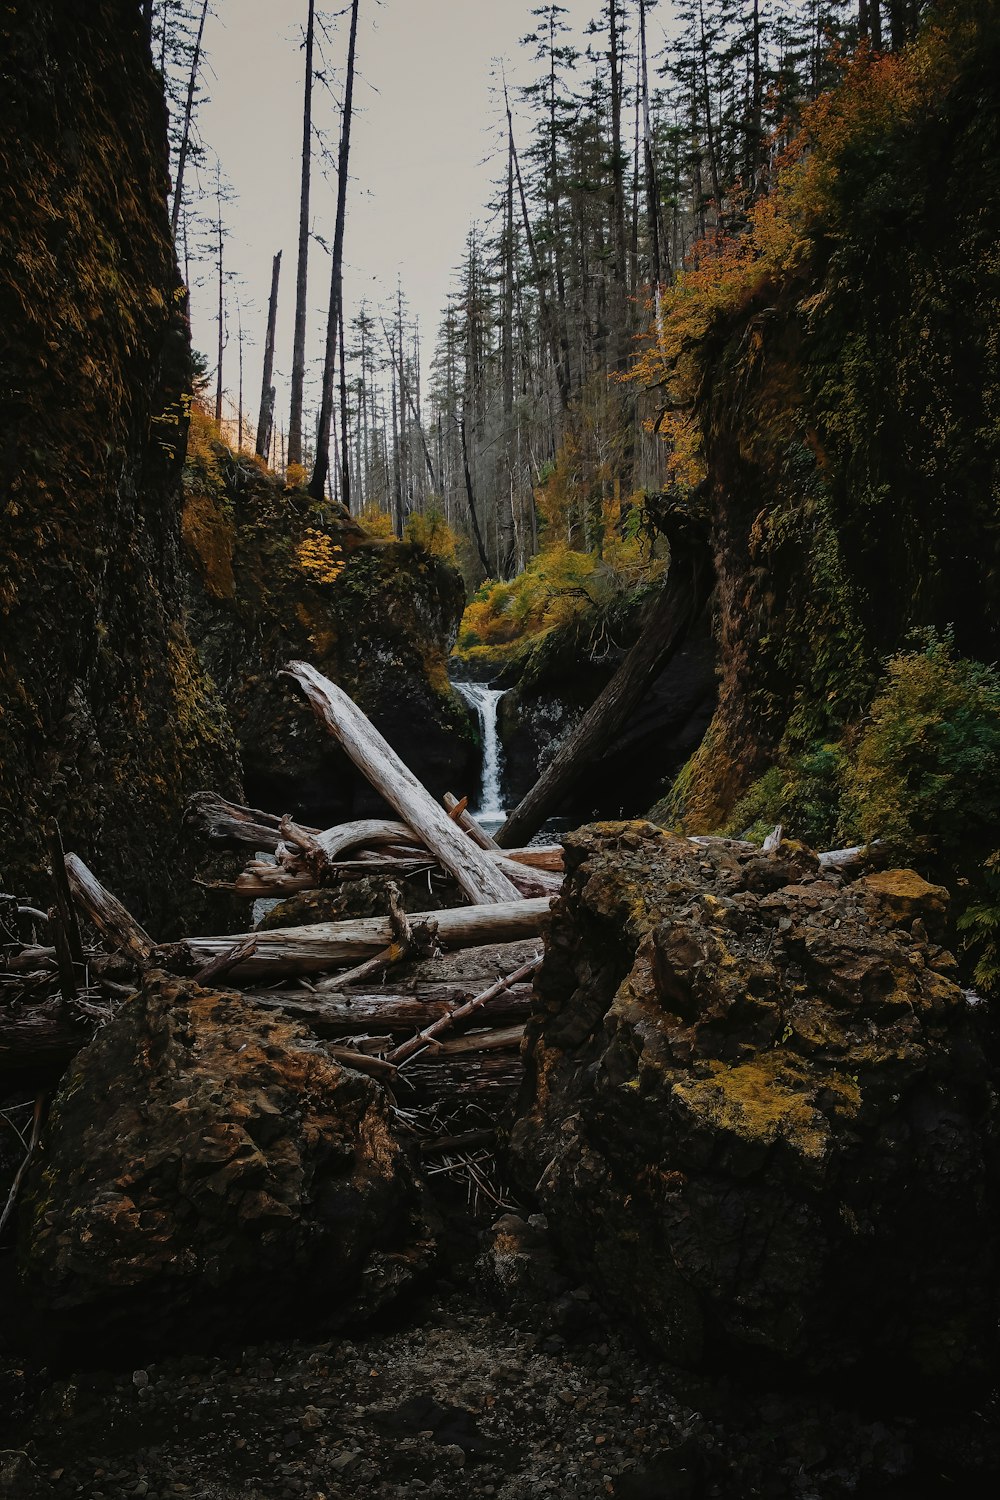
column 425, row 148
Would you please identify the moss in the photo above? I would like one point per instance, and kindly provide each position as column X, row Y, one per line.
column 107, row 720
column 762, row 1102
column 207, row 533
column 848, row 412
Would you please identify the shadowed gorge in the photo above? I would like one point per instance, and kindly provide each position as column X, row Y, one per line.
column 499, row 817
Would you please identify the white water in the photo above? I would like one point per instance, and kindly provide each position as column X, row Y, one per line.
column 483, row 701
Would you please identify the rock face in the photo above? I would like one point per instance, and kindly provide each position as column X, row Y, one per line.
column 274, row 576
column 209, row 1169
column 108, row 721
column 756, row 1115
column 840, row 520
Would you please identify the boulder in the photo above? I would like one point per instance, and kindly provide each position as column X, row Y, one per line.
column 275, row 575
column 758, row 1117
column 209, row 1170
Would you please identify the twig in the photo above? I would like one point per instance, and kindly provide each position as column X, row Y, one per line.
column 226, row 961
column 36, row 1130
column 429, row 1035
column 407, row 939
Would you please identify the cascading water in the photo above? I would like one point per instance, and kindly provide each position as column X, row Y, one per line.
column 483, row 701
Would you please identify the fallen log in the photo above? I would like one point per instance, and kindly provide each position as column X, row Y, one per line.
column 356, row 1012
column 663, row 630
column 534, row 872
column 420, row 992
column 118, row 928
column 429, row 1036
column 464, row 819
column 330, row 945
column 475, row 872
column 498, row 1039
column 228, row 825
column 40, row 1037
column 494, row 1074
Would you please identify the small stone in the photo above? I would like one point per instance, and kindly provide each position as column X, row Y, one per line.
column 140, row 1379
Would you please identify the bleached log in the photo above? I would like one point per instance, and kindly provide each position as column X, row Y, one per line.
column 475, row 872
column 429, row 1036
column 227, row 824
column 534, row 871
column 330, row 945
column 465, row 820
column 840, row 859
column 387, row 1012
column 418, row 992
column 118, row 927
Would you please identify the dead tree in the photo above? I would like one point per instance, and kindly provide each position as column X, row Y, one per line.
column 664, row 628
column 266, row 414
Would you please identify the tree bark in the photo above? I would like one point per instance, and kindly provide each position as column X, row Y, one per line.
column 266, row 414
column 302, row 264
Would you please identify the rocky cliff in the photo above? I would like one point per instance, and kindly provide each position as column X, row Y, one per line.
column 842, row 371
column 274, row 575
column 107, row 717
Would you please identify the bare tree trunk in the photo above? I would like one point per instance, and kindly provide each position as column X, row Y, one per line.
column 317, row 486
column 266, row 414
column 470, row 497
column 185, row 146
column 345, row 446
column 221, row 317
column 652, row 192
column 548, row 321
column 302, row 265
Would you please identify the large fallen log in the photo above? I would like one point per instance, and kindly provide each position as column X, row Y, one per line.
column 331, row 945
column 664, row 628
column 228, row 825
column 381, row 1012
column 40, row 1037
column 119, row 929
column 533, row 875
column 475, row 872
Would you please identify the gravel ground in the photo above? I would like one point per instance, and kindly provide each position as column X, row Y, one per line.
column 452, row 1401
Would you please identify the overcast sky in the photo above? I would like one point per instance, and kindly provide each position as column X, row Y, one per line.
column 425, row 148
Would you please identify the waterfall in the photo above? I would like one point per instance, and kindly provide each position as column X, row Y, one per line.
column 484, row 700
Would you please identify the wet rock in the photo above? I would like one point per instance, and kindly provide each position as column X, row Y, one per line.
column 207, row 1163
column 756, row 1116
column 518, row 1270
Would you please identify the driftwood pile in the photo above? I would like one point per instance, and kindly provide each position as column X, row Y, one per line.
column 432, row 1004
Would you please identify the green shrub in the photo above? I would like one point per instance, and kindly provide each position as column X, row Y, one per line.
column 926, row 775
column 801, row 793
column 980, row 925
